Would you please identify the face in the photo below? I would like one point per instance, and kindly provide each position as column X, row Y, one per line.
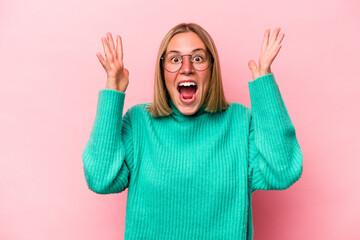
column 187, row 99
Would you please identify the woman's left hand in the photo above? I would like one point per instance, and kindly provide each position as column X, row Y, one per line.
column 269, row 51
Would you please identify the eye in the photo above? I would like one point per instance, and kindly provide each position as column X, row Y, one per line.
column 198, row 58
column 175, row 59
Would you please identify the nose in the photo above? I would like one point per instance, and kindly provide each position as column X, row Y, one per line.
column 186, row 67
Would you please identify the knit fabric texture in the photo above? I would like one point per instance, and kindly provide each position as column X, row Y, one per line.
column 192, row 177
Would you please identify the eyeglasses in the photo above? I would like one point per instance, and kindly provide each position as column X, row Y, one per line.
column 200, row 60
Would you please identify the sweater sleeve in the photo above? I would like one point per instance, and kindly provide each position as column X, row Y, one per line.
column 108, row 153
column 275, row 157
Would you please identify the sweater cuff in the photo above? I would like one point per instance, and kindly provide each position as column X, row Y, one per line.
column 263, row 90
column 110, row 104
column 266, row 100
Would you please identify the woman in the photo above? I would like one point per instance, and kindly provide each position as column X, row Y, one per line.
column 191, row 160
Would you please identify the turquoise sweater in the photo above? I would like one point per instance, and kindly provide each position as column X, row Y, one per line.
column 191, row 177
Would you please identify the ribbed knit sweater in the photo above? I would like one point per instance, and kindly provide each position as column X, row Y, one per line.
column 191, row 177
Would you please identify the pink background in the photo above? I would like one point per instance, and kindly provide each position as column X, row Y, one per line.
column 50, row 79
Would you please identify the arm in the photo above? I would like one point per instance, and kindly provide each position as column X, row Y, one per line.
column 275, row 157
column 108, row 154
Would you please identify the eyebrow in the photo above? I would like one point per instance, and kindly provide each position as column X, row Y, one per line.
column 176, row 51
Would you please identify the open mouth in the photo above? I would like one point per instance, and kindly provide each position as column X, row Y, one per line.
column 187, row 91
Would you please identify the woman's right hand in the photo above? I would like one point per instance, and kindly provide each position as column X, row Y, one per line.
column 117, row 75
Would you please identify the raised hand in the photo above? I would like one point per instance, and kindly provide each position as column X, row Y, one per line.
column 269, row 51
column 117, row 75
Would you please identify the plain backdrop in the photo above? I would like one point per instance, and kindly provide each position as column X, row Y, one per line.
column 50, row 80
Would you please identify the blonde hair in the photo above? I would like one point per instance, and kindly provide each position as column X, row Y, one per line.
column 215, row 100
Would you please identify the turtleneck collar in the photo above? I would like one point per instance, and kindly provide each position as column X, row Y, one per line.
column 177, row 114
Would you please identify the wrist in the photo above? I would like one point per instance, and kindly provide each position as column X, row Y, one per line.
column 265, row 71
column 114, row 88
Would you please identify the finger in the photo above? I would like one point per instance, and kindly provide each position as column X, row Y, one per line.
column 274, row 35
column 102, row 60
column 265, row 40
column 126, row 73
column 111, row 43
column 108, row 54
column 274, row 53
column 280, row 38
column 119, row 47
column 252, row 65
column 254, row 69
column 274, row 47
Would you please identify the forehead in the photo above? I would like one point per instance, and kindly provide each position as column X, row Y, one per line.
column 185, row 43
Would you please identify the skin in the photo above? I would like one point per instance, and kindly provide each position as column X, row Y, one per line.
column 269, row 50
column 185, row 43
column 118, row 75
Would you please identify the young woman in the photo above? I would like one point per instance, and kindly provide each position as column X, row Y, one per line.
column 190, row 159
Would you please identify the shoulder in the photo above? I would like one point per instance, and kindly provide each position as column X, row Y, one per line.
column 236, row 108
column 237, row 115
column 236, row 112
column 138, row 110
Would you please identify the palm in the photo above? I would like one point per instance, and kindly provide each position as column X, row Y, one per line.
column 117, row 75
column 270, row 49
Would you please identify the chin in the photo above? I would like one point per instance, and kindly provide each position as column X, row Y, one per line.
column 188, row 110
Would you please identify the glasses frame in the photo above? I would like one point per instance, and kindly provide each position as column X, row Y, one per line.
column 182, row 60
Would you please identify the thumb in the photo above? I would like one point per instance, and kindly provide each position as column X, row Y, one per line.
column 126, row 72
column 252, row 65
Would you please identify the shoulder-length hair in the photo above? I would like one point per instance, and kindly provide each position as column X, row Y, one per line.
column 215, row 100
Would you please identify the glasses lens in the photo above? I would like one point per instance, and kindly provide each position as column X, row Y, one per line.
column 172, row 62
column 200, row 60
